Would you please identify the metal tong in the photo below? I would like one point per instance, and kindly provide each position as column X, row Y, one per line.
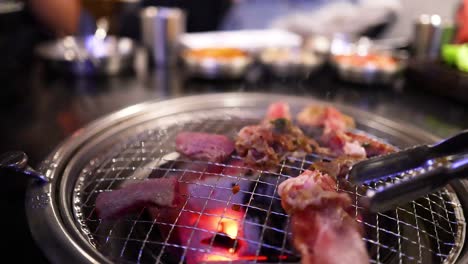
column 415, row 172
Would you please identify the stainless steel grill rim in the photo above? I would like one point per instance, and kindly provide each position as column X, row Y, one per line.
column 137, row 115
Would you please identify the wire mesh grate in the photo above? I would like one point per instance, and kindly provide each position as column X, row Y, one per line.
column 217, row 225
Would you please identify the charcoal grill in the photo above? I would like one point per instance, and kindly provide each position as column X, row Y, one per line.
column 249, row 226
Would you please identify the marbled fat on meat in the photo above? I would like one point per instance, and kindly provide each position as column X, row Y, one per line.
column 323, row 228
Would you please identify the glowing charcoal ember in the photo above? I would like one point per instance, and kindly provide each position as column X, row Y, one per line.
column 134, row 197
column 235, row 189
column 207, row 226
column 323, row 228
column 204, row 146
column 205, row 220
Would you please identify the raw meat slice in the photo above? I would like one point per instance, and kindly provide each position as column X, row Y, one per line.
column 204, row 146
column 134, row 197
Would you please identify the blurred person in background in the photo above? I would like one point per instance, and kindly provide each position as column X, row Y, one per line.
column 25, row 23
column 374, row 18
column 60, row 17
column 308, row 17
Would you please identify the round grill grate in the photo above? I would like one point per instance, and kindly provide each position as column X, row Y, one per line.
column 247, row 226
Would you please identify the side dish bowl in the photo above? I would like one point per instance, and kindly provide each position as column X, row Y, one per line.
column 216, row 63
column 369, row 68
column 286, row 62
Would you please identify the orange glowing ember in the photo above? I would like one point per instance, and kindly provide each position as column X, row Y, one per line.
column 229, row 227
column 222, row 221
column 214, row 257
column 227, row 222
column 235, row 189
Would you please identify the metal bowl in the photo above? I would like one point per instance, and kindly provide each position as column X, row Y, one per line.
column 88, row 55
column 209, row 67
column 368, row 74
column 286, row 62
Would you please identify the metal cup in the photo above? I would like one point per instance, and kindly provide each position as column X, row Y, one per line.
column 430, row 33
column 161, row 28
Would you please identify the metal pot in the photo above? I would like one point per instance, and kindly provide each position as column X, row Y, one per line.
column 369, row 75
column 215, row 68
column 291, row 62
column 84, row 56
column 110, row 151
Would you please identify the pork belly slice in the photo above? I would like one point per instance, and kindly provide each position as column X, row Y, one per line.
column 327, row 236
column 323, row 227
column 340, row 143
column 372, row 146
column 204, row 146
column 161, row 192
